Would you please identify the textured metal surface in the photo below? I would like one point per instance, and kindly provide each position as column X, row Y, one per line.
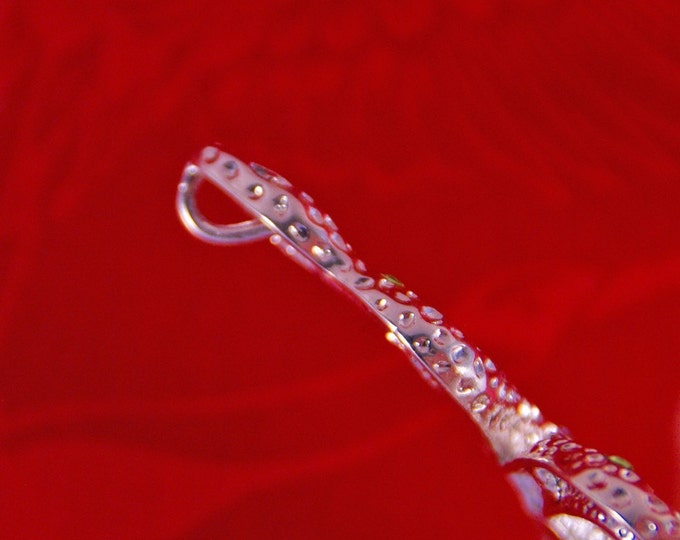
column 577, row 493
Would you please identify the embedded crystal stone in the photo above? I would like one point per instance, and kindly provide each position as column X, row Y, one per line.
column 281, row 204
column 231, row 168
column 480, row 403
column 323, row 254
column 431, row 314
column 298, row 231
column 210, row 154
column 407, row 319
column 338, row 241
column 364, row 282
column 255, row 191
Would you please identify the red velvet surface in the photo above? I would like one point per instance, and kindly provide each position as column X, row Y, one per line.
column 515, row 163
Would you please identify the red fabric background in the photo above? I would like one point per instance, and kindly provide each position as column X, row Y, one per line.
column 516, row 163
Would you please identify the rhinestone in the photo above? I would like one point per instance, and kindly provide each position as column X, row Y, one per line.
column 490, row 366
column 364, row 282
column 298, row 231
column 594, row 459
column 210, row 154
column 651, row 526
column 329, row 222
column 431, row 314
column 275, row 239
column 502, row 390
column 381, row 304
column 524, row 409
column 280, row 181
column 306, row 197
column 549, row 481
column 466, row 385
column 402, row 297
column 407, row 319
column 359, row 264
column 421, row 345
column 442, row 337
column 315, row 215
column 441, row 366
column 412, row 295
column 628, row 475
column 323, row 254
column 673, row 528
column 385, row 284
column 656, row 504
column 231, row 167
column 570, row 446
column 281, row 204
column 478, row 366
column 493, row 382
column 261, row 171
column 255, row 191
column 480, row 403
column 460, row 353
column 338, row 241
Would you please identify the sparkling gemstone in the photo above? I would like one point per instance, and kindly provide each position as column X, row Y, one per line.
column 262, row 172
column 359, row 264
column 406, row 319
column 421, row 345
column 338, row 241
column 466, row 385
column 315, row 215
column 323, row 254
column 628, row 475
column 364, row 282
column 656, row 504
column 281, row 181
column 441, row 366
column 381, row 304
column 461, row 353
column 442, row 337
column 478, row 366
column 480, row 403
column 402, row 297
column 306, row 197
column 298, row 231
column 231, row 168
column 255, row 191
column 281, row 204
column 210, row 154
column 330, row 223
column 595, row 459
column 431, row 314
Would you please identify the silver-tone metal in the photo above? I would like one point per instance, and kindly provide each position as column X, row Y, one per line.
column 577, row 493
column 237, row 233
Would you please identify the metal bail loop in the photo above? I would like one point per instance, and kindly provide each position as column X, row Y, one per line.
column 236, row 233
